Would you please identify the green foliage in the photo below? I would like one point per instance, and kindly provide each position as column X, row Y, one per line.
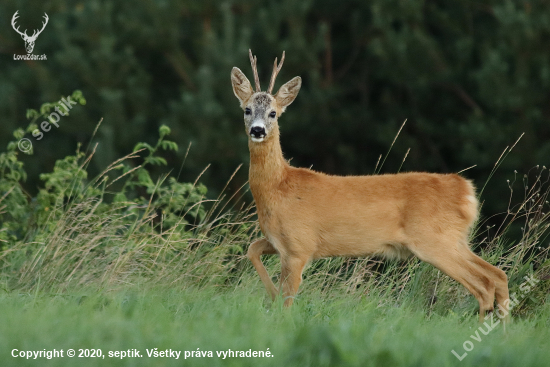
column 178, row 200
column 24, row 218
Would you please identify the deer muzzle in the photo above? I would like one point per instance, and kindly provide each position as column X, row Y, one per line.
column 257, row 132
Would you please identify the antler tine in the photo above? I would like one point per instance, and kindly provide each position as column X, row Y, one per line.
column 45, row 16
column 253, row 62
column 13, row 20
column 276, row 70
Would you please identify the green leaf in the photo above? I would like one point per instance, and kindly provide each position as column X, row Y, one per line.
column 144, row 178
column 19, row 134
column 143, row 145
column 32, row 113
column 167, row 144
column 158, row 161
column 164, row 130
column 46, row 108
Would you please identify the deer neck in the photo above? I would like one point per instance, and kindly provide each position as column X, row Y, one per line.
column 267, row 167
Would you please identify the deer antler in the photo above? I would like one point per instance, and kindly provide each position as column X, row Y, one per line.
column 276, row 70
column 43, row 26
column 253, row 62
column 24, row 34
column 15, row 16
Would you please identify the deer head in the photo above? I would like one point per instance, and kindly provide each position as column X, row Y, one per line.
column 261, row 109
column 29, row 40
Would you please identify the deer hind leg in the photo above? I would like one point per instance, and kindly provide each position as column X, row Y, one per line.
column 460, row 263
column 501, row 284
column 291, row 277
column 256, row 249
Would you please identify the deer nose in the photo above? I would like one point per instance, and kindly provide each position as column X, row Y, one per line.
column 257, row 132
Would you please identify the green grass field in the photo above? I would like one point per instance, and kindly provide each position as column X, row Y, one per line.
column 342, row 330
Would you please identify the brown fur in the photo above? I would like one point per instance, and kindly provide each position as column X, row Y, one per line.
column 306, row 215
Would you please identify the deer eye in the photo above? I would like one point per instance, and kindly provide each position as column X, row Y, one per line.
column 247, row 111
column 272, row 114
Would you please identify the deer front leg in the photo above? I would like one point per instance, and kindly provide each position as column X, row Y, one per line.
column 291, row 277
column 256, row 249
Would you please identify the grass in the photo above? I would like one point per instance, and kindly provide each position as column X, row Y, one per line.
column 340, row 331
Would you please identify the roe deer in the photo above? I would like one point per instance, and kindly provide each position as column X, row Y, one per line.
column 306, row 215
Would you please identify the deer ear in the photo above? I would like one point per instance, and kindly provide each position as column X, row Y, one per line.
column 288, row 92
column 241, row 86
